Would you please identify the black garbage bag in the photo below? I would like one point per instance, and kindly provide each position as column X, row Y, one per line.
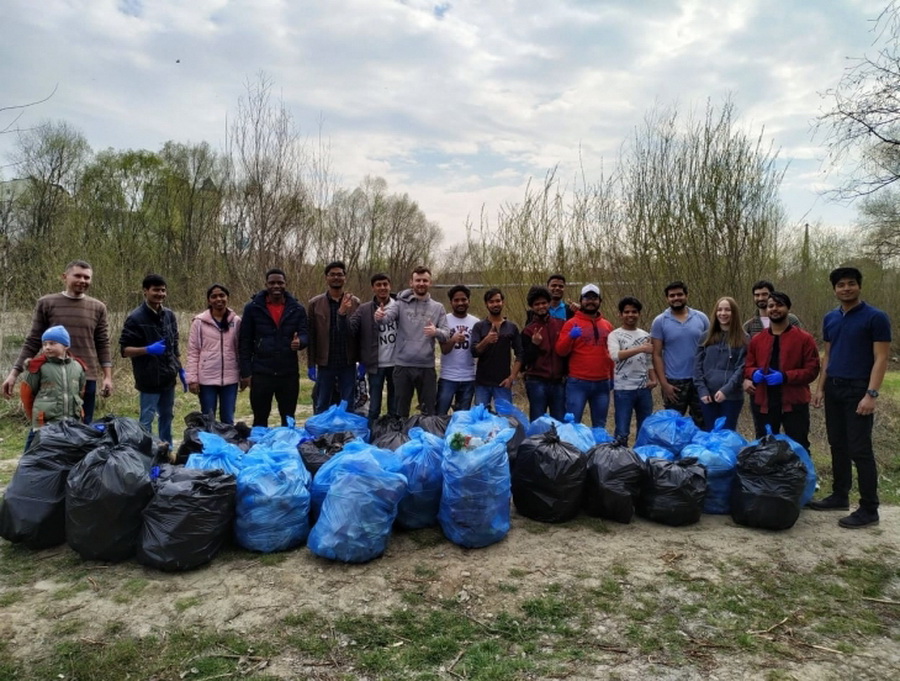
column 430, row 423
column 389, row 432
column 673, row 492
column 316, row 452
column 615, row 474
column 188, row 519
column 768, row 486
column 123, row 430
column 33, row 510
column 548, row 478
column 105, row 495
column 196, row 422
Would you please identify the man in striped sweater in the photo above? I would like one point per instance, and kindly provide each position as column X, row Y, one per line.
column 87, row 322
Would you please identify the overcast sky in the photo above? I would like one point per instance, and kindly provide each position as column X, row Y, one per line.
column 457, row 103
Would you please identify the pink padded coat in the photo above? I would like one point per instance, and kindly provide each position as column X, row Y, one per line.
column 212, row 357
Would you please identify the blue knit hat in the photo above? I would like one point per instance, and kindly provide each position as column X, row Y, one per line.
column 58, row 334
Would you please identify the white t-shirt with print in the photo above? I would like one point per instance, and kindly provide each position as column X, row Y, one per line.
column 631, row 373
column 459, row 364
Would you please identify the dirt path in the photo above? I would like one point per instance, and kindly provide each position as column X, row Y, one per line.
column 246, row 593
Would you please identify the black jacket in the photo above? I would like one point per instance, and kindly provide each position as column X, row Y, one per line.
column 143, row 326
column 263, row 347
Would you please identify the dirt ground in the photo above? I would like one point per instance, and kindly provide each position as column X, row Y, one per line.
column 244, row 592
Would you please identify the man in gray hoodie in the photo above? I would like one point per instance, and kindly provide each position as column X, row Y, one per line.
column 420, row 320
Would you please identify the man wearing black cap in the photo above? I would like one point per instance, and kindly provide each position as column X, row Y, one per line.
column 782, row 361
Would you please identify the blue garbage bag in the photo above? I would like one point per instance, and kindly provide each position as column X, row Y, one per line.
column 336, row 419
column 217, row 453
column 509, row 410
column 667, row 428
column 654, row 452
column 541, row 425
column 601, row 437
column 576, row 434
column 355, row 454
column 720, row 434
column 272, row 508
column 356, row 518
column 474, row 508
column 720, row 462
column 420, row 462
column 476, row 422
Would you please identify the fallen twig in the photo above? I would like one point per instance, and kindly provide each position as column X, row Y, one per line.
column 770, row 629
column 885, row 601
column 456, row 659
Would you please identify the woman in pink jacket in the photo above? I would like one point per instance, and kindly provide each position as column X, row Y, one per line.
column 212, row 366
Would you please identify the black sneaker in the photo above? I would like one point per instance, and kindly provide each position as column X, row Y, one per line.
column 859, row 518
column 830, row 503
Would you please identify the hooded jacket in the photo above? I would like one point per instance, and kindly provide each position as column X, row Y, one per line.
column 719, row 366
column 265, row 347
column 588, row 354
column 212, row 355
column 414, row 348
column 53, row 389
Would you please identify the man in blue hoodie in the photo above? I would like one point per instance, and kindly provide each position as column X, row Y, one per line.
column 420, row 320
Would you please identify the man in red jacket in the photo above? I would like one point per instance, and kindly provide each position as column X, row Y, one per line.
column 583, row 341
column 781, row 363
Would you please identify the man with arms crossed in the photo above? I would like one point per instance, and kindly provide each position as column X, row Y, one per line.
column 630, row 348
column 675, row 335
column 457, row 381
column 86, row 320
column 857, row 347
column 420, row 320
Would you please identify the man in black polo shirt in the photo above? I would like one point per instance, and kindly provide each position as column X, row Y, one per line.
column 857, row 347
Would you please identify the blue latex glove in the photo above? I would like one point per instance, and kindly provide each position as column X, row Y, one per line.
column 156, row 349
column 312, row 374
column 758, row 376
column 182, row 374
column 360, row 371
column 774, row 378
column 575, row 332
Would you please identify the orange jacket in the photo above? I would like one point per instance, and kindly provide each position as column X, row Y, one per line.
column 588, row 355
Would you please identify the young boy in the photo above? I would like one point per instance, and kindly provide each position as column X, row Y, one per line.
column 54, row 382
column 630, row 349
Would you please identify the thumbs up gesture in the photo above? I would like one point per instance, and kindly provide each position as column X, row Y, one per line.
column 430, row 330
column 536, row 337
column 379, row 313
column 295, row 342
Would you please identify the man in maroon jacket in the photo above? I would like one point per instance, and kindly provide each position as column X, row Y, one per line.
column 781, row 363
column 545, row 371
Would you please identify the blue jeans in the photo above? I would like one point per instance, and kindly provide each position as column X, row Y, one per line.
column 223, row 395
column 376, row 389
column 162, row 405
column 345, row 377
column 486, row 394
column 730, row 409
column 462, row 391
column 639, row 401
column 543, row 395
column 594, row 393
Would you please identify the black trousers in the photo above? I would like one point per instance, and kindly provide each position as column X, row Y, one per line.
column 850, row 438
column 415, row 379
column 285, row 390
column 795, row 423
column 687, row 399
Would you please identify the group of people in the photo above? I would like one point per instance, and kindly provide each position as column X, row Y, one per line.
column 569, row 355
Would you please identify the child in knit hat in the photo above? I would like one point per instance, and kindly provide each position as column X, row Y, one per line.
column 54, row 382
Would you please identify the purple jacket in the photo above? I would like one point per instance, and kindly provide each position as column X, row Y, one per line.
column 212, row 356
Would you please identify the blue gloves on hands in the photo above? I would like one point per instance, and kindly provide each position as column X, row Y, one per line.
column 758, row 376
column 774, row 378
column 575, row 332
column 182, row 374
column 360, row 371
column 156, row 349
column 312, row 374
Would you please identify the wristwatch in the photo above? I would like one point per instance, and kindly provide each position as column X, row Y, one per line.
column 872, row 393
